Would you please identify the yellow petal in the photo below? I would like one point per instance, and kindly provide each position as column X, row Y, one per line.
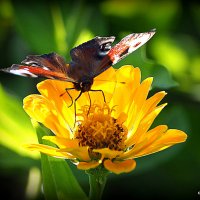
column 155, row 140
column 51, row 151
column 129, row 74
column 153, row 101
column 171, row 137
column 118, row 167
column 105, row 78
column 88, row 165
column 53, row 90
column 138, row 101
column 140, row 127
column 148, row 107
column 43, row 111
column 127, row 80
column 80, row 153
column 144, row 140
column 62, row 142
column 106, row 82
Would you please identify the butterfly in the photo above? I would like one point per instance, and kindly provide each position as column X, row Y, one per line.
column 88, row 60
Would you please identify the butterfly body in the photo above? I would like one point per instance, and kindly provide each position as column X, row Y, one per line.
column 88, row 60
column 84, row 85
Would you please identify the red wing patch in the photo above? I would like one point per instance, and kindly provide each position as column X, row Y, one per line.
column 34, row 72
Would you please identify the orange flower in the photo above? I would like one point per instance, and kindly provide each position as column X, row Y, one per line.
column 111, row 134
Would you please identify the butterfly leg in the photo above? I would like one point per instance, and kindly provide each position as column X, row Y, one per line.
column 75, row 107
column 104, row 98
column 66, row 91
column 90, row 103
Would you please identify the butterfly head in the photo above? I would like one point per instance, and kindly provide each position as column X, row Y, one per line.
column 84, row 85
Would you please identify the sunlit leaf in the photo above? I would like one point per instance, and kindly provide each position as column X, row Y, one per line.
column 15, row 126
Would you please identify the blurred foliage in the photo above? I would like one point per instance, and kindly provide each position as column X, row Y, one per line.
column 172, row 57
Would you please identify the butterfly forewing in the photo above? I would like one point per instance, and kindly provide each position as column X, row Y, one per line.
column 122, row 49
column 47, row 65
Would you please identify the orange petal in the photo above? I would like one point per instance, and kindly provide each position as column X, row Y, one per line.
column 122, row 118
column 108, row 153
column 88, row 165
column 118, row 167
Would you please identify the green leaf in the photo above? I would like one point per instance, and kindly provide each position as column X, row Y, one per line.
column 57, row 26
column 58, row 181
column 36, row 25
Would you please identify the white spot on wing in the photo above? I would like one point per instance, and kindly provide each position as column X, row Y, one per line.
column 116, row 58
column 139, row 39
column 22, row 72
column 45, row 68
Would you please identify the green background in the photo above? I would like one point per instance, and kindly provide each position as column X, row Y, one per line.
column 172, row 57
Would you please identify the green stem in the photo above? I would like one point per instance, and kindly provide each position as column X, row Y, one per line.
column 97, row 180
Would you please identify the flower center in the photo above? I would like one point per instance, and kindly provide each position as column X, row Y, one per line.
column 98, row 129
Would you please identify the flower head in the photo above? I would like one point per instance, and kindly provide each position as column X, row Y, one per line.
column 111, row 133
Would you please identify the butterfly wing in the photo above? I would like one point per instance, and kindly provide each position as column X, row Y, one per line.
column 47, row 65
column 87, row 57
column 126, row 46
